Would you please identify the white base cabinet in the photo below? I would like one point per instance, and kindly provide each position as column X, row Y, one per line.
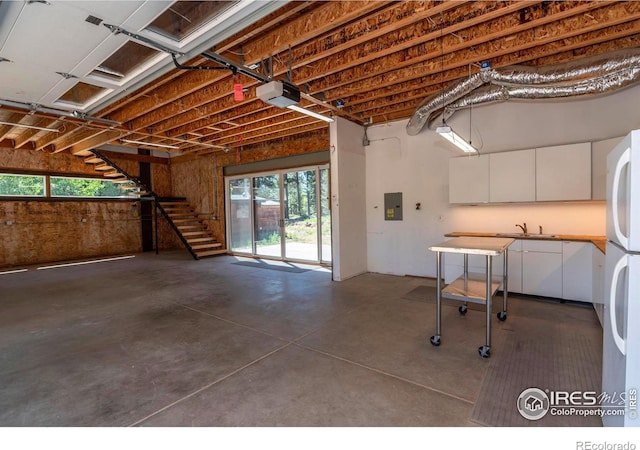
column 577, row 269
column 542, row 268
column 569, row 270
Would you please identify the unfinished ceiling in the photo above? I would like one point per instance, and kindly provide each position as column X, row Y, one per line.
column 367, row 61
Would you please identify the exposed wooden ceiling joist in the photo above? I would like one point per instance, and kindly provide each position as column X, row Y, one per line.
column 380, row 58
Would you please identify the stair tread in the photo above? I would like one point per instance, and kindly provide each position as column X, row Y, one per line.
column 187, row 227
column 204, row 239
column 103, row 166
column 93, row 160
column 197, row 233
column 186, row 221
column 211, row 253
column 205, row 246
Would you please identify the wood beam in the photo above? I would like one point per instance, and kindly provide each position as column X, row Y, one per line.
column 476, row 46
column 81, row 148
column 193, row 82
column 51, row 138
column 30, row 133
column 589, row 44
column 5, row 130
column 7, row 143
column 279, row 16
column 77, row 136
column 274, row 128
column 507, row 46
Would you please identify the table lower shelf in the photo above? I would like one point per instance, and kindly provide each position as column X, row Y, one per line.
column 475, row 290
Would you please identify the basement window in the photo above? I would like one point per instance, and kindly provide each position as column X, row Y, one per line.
column 86, row 187
column 21, row 185
column 185, row 17
column 126, row 59
column 81, row 93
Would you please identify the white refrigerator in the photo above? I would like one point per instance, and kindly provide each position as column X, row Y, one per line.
column 621, row 336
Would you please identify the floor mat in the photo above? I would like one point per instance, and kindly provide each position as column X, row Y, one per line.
column 550, row 357
column 264, row 265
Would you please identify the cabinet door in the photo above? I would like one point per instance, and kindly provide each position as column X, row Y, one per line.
column 514, row 281
column 469, row 179
column 577, row 271
column 563, row 172
column 599, row 152
column 542, row 274
column 512, row 176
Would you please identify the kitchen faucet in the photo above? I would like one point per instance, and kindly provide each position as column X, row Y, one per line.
column 523, row 227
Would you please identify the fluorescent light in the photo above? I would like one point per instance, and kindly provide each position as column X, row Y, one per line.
column 451, row 136
column 30, row 126
column 149, row 144
column 310, row 113
column 85, row 262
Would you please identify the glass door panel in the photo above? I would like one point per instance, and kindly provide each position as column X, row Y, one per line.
column 240, row 215
column 301, row 215
column 266, row 214
column 325, row 216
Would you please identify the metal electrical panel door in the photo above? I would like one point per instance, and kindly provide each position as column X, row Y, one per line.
column 393, row 206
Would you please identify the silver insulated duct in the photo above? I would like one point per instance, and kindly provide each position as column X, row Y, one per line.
column 598, row 75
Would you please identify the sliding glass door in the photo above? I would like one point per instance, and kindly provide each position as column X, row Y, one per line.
column 267, row 223
column 300, row 215
column 282, row 214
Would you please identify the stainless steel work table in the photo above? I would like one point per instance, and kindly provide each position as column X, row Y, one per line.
column 471, row 287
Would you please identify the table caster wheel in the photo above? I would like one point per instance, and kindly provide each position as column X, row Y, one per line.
column 463, row 309
column 502, row 316
column 435, row 340
column 484, row 351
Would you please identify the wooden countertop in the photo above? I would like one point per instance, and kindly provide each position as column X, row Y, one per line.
column 598, row 241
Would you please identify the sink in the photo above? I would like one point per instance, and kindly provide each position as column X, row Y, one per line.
column 528, row 236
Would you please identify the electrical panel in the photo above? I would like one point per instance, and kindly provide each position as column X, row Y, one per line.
column 393, row 206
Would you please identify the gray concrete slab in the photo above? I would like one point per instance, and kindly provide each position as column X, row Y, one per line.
column 166, row 340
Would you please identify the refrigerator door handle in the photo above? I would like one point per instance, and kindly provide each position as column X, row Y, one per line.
column 623, row 161
column 619, row 341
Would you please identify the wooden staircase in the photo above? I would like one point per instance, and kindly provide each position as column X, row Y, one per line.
column 180, row 215
column 190, row 228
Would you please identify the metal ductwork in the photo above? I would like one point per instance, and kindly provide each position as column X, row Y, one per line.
column 598, row 75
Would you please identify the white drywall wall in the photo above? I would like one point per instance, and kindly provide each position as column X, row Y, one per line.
column 348, row 214
column 417, row 166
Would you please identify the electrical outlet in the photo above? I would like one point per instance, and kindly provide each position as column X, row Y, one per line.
column 9, row 222
column 83, row 220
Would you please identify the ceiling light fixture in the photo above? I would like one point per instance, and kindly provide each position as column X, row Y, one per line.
column 310, row 113
column 447, row 132
column 33, row 127
column 149, row 144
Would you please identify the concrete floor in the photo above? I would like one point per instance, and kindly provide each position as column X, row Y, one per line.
column 168, row 341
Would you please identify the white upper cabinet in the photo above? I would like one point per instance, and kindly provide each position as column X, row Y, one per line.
column 599, row 152
column 469, row 179
column 563, row 172
column 513, row 176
